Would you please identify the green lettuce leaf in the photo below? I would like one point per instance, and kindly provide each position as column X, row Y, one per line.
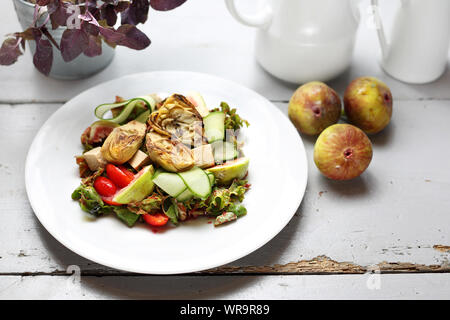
column 90, row 201
column 153, row 202
column 223, row 199
column 172, row 213
column 238, row 210
column 126, row 216
column 232, row 119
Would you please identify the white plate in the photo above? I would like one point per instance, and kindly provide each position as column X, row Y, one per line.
column 278, row 174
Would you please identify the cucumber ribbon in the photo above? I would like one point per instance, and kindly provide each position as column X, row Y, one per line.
column 128, row 105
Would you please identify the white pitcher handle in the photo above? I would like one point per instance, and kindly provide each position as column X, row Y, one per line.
column 380, row 30
column 260, row 19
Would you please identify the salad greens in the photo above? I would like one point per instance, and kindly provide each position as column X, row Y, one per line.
column 90, row 200
column 182, row 179
column 232, row 119
column 128, row 217
column 222, row 200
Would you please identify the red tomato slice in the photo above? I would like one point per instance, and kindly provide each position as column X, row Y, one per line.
column 104, row 187
column 126, row 171
column 156, row 220
column 108, row 200
column 117, row 176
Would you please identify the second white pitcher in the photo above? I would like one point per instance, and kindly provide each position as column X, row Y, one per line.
column 419, row 42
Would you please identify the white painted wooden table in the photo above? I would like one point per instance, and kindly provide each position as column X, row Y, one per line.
column 395, row 219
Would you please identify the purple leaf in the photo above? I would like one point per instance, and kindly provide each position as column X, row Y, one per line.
column 90, row 28
column 43, row 58
column 94, row 47
column 136, row 13
column 73, row 43
column 134, row 38
column 111, row 35
column 50, row 37
column 122, row 6
column 109, row 14
column 165, row 5
column 28, row 34
column 9, row 52
column 58, row 13
column 88, row 17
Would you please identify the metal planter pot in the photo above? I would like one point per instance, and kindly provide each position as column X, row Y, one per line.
column 79, row 68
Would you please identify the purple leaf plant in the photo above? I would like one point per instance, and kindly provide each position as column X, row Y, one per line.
column 84, row 32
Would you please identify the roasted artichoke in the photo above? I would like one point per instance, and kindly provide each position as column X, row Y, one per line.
column 177, row 118
column 169, row 153
column 123, row 142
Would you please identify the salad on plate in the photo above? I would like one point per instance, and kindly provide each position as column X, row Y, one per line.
column 161, row 161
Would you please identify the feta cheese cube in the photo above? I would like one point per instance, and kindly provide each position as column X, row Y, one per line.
column 139, row 160
column 203, row 156
column 94, row 159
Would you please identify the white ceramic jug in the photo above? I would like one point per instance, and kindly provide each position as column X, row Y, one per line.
column 303, row 40
column 418, row 48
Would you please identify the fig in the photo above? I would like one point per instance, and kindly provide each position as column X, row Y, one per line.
column 368, row 104
column 198, row 102
column 123, row 142
column 314, row 107
column 97, row 132
column 342, row 152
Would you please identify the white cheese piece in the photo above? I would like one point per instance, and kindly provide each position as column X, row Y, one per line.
column 94, row 159
column 139, row 160
column 203, row 156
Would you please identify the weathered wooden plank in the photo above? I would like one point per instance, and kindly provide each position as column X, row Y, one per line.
column 394, row 216
column 228, row 287
column 218, row 45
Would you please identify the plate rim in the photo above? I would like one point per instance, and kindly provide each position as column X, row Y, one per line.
column 205, row 266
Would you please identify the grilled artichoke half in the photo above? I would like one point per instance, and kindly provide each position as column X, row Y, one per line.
column 177, row 118
column 169, row 153
column 123, row 142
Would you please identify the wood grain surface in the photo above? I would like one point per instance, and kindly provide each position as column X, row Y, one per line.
column 393, row 220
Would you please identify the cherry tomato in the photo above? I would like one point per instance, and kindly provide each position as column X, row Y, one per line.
column 117, row 176
column 127, row 172
column 108, row 200
column 105, row 187
column 156, row 220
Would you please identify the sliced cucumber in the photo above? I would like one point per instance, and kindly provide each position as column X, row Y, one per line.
column 185, row 195
column 128, row 107
column 170, row 183
column 212, row 178
column 188, row 195
column 149, row 101
column 158, row 171
column 214, row 126
column 224, row 151
column 143, row 117
column 197, row 181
